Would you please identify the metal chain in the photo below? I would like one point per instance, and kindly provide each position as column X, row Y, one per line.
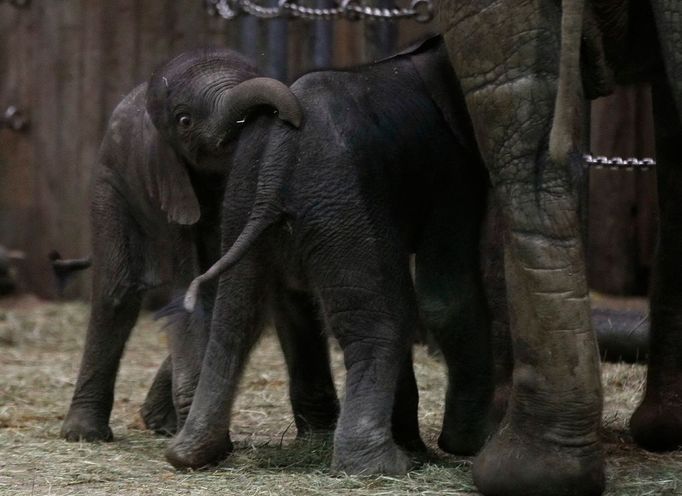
column 619, row 163
column 353, row 10
column 19, row 4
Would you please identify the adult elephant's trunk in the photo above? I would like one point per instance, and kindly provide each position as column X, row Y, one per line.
column 248, row 95
column 565, row 136
column 266, row 211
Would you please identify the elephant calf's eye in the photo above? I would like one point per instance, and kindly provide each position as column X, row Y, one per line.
column 184, row 120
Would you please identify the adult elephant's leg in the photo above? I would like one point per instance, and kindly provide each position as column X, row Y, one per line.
column 548, row 442
column 115, row 305
column 304, row 343
column 236, row 325
column 452, row 305
column 657, row 422
column 158, row 411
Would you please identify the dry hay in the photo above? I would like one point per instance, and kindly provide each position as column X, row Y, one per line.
column 40, row 346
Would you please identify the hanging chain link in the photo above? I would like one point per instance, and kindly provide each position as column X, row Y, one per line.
column 619, row 163
column 19, row 4
column 353, row 10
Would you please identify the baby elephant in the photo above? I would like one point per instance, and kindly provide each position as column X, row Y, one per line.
column 330, row 213
column 156, row 195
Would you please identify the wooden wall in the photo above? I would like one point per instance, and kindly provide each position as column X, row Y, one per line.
column 622, row 204
column 66, row 64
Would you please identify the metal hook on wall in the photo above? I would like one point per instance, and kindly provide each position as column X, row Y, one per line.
column 14, row 119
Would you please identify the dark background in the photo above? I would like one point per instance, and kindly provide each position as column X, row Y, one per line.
column 67, row 63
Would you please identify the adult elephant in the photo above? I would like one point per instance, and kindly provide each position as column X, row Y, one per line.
column 156, row 196
column 520, row 63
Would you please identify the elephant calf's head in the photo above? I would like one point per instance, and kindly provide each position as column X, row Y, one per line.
column 195, row 105
column 200, row 99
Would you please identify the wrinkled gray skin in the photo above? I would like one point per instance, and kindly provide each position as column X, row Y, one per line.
column 157, row 188
column 331, row 212
column 520, row 64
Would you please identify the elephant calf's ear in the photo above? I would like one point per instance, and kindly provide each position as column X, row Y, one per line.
column 167, row 180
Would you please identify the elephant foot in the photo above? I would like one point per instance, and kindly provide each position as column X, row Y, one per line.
column 316, row 422
column 656, row 424
column 159, row 418
column 315, row 438
column 360, row 459
column 512, row 464
column 461, row 441
column 186, row 452
column 83, row 425
column 158, row 412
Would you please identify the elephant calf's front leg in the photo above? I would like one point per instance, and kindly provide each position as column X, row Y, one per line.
column 109, row 328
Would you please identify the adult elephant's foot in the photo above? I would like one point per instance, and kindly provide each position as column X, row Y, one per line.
column 656, row 424
column 514, row 464
column 85, row 425
column 364, row 458
column 186, row 451
column 500, row 402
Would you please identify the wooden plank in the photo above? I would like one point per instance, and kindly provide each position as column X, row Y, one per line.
column 277, row 50
column 47, row 163
column 223, row 32
column 17, row 212
column 323, row 39
column 92, row 118
column 154, row 24
column 120, row 43
column 65, row 169
column 380, row 37
column 190, row 29
column 348, row 43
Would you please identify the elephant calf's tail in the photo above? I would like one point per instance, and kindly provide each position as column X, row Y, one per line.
column 261, row 218
column 267, row 210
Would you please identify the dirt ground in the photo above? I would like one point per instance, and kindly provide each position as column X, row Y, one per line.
column 40, row 346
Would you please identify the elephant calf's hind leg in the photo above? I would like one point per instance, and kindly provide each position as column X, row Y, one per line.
column 158, row 412
column 304, row 343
